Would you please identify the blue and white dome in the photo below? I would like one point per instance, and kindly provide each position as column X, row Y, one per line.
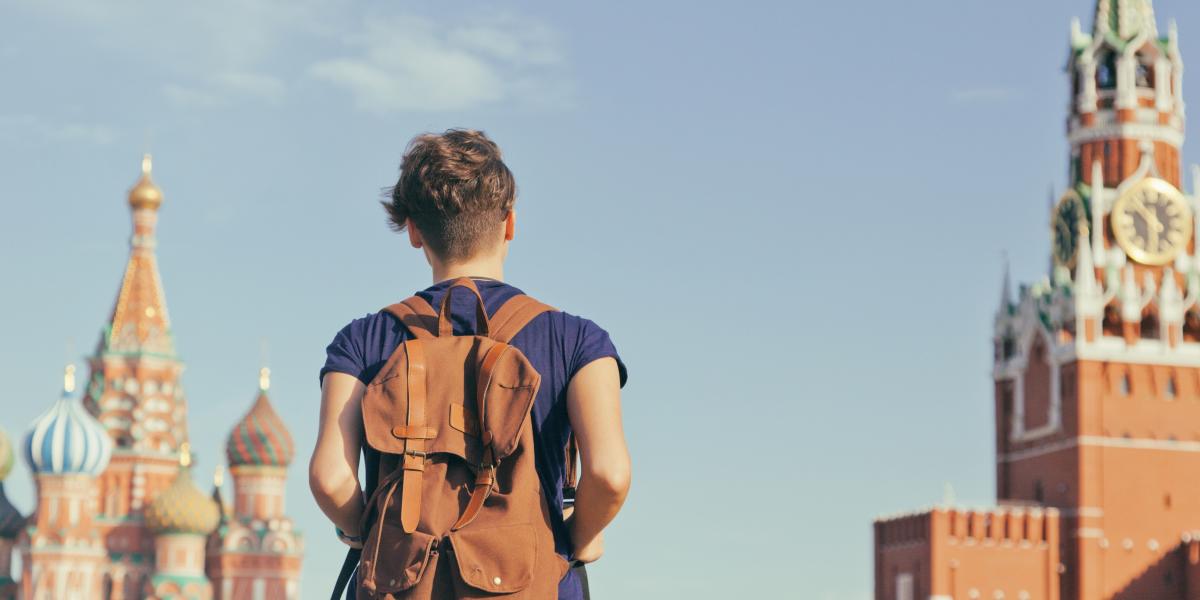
column 67, row 439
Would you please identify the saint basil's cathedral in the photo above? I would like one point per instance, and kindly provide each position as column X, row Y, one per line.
column 1096, row 367
column 119, row 515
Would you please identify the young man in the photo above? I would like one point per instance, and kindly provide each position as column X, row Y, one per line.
column 455, row 199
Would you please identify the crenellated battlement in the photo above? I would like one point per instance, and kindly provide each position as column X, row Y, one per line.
column 1013, row 525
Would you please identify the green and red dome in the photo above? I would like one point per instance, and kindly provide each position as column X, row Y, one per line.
column 261, row 438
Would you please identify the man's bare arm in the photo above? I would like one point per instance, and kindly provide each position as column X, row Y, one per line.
column 594, row 408
column 333, row 470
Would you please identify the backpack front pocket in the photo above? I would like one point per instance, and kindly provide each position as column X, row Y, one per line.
column 495, row 560
column 394, row 561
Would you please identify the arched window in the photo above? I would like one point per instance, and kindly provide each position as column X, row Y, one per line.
column 1144, row 72
column 1106, row 71
column 1112, row 322
column 1150, row 327
column 1123, row 386
column 1191, row 327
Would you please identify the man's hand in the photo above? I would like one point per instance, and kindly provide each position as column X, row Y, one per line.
column 592, row 551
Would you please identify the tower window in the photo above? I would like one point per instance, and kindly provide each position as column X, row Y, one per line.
column 1150, row 327
column 1112, row 321
column 1123, row 387
column 1039, row 493
column 1144, row 73
column 1106, row 71
column 1171, row 391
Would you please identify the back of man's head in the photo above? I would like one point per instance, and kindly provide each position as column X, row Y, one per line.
column 456, row 190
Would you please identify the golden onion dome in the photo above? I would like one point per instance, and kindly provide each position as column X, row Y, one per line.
column 182, row 507
column 145, row 194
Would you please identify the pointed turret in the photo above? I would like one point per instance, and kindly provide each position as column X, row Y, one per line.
column 1124, row 19
column 134, row 390
column 1006, row 288
column 139, row 320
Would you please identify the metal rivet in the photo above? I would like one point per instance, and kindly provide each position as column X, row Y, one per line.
column 496, row 580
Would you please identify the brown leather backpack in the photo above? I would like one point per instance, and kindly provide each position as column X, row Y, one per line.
column 457, row 509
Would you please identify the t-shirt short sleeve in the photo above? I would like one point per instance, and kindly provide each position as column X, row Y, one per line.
column 345, row 353
column 592, row 343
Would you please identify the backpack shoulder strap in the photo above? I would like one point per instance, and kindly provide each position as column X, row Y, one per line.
column 514, row 315
column 417, row 315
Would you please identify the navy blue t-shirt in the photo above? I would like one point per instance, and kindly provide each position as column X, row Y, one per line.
column 557, row 344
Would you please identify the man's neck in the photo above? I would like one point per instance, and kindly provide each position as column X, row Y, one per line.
column 490, row 268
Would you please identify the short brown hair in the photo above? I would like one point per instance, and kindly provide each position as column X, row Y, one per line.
column 455, row 189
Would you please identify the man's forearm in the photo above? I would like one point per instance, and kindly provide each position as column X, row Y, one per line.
column 342, row 502
column 597, row 501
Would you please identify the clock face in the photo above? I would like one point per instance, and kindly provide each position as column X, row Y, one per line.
column 1152, row 222
column 1069, row 216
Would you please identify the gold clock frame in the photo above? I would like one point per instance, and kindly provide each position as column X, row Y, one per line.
column 1134, row 251
column 1070, row 196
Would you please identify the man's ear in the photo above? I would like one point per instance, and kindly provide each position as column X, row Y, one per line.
column 414, row 236
column 510, row 225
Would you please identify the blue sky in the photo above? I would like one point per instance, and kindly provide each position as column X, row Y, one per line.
column 790, row 216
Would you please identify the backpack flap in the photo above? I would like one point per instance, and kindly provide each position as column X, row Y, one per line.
column 497, row 560
column 385, row 408
column 507, row 386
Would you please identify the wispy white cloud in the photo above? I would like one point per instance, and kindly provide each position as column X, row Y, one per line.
column 32, row 128
column 224, row 53
column 415, row 64
column 211, row 54
column 975, row 95
column 224, row 89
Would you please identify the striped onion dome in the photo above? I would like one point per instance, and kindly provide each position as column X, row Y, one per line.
column 260, row 438
column 182, row 507
column 67, row 439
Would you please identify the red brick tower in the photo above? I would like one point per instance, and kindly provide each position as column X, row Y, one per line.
column 1097, row 367
column 134, row 390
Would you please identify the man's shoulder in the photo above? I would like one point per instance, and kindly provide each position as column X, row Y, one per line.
column 370, row 325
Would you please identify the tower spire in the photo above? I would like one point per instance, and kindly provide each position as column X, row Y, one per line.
column 1125, row 19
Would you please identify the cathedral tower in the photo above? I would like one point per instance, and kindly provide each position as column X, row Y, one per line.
column 257, row 551
column 181, row 518
column 135, row 392
column 64, row 555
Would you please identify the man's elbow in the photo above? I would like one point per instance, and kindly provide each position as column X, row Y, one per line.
column 612, row 476
column 330, row 486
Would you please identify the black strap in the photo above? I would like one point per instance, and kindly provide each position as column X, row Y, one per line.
column 348, row 567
